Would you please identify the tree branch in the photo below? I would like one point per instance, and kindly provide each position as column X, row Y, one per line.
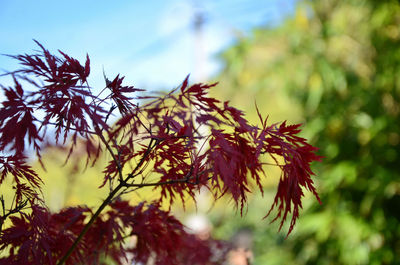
column 172, row 181
column 109, row 198
column 89, row 224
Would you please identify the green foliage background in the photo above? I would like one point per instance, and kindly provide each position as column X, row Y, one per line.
column 335, row 66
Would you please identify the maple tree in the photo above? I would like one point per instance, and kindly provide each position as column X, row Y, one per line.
column 157, row 142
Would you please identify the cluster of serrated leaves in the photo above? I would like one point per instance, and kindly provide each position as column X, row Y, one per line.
column 188, row 139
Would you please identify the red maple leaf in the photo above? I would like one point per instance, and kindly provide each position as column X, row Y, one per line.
column 176, row 142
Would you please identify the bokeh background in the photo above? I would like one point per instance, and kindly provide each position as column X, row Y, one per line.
column 332, row 65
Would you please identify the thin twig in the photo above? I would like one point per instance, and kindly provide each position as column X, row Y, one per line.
column 173, row 181
column 73, row 129
column 106, row 202
column 117, row 162
column 88, row 225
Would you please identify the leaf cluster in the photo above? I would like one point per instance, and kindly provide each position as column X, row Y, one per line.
column 191, row 141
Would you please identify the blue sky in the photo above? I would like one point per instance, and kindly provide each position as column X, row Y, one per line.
column 152, row 43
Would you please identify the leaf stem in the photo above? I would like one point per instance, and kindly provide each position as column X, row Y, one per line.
column 108, row 200
column 89, row 224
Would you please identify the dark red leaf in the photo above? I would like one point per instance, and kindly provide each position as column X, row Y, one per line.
column 87, row 66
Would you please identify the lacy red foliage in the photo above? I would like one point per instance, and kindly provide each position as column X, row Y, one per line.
column 41, row 237
column 177, row 143
column 26, row 180
column 297, row 155
column 16, row 121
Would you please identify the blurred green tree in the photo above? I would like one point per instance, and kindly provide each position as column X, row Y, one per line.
column 334, row 65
